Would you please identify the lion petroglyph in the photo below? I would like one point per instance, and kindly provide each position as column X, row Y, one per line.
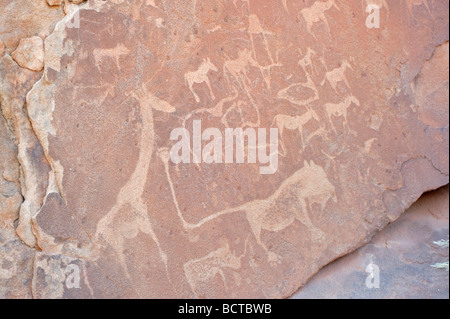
column 296, row 123
column 201, row 76
column 316, row 13
column 340, row 110
column 292, row 201
column 334, row 77
column 115, row 233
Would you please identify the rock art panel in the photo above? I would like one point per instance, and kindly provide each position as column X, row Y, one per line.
column 363, row 132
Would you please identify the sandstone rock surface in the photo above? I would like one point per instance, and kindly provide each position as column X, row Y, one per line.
column 411, row 255
column 362, row 116
column 30, row 53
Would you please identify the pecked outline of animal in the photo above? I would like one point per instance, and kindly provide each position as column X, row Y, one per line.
column 340, row 110
column 416, row 3
column 201, row 76
column 337, row 75
column 294, row 123
column 306, row 187
column 316, row 13
column 130, row 195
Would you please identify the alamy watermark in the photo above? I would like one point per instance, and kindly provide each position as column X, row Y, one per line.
column 373, row 19
column 74, row 20
column 373, row 279
column 227, row 148
column 72, row 273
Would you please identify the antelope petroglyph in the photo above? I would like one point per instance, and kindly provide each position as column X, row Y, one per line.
column 201, row 76
column 340, row 110
column 113, row 53
column 295, row 123
column 206, row 268
column 337, row 75
column 316, row 13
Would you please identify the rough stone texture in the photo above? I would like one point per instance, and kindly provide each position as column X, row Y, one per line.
column 30, row 53
column 54, row 2
column 406, row 252
column 22, row 19
column 2, row 48
column 16, row 259
column 15, row 82
column 362, row 114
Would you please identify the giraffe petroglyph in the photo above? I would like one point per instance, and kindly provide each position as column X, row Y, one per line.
column 306, row 187
column 130, row 196
column 316, row 13
column 201, row 76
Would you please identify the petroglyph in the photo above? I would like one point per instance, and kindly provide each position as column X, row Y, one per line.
column 114, row 53
column 307, row 61
column 237, row 68
column 296, row 123
column 337, row 75
column 309, row 84
column 239, row 106
column 306, row 187
column 255, row 27
column 416, row 3
column 316, row 13
column 340, row 110
column 115, row 232
column 206, row 268
column 201, row 76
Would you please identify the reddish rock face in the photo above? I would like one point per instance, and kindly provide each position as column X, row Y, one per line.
column 30, row 53
column 26, row 18
column 411, row 256
column 362, row 119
